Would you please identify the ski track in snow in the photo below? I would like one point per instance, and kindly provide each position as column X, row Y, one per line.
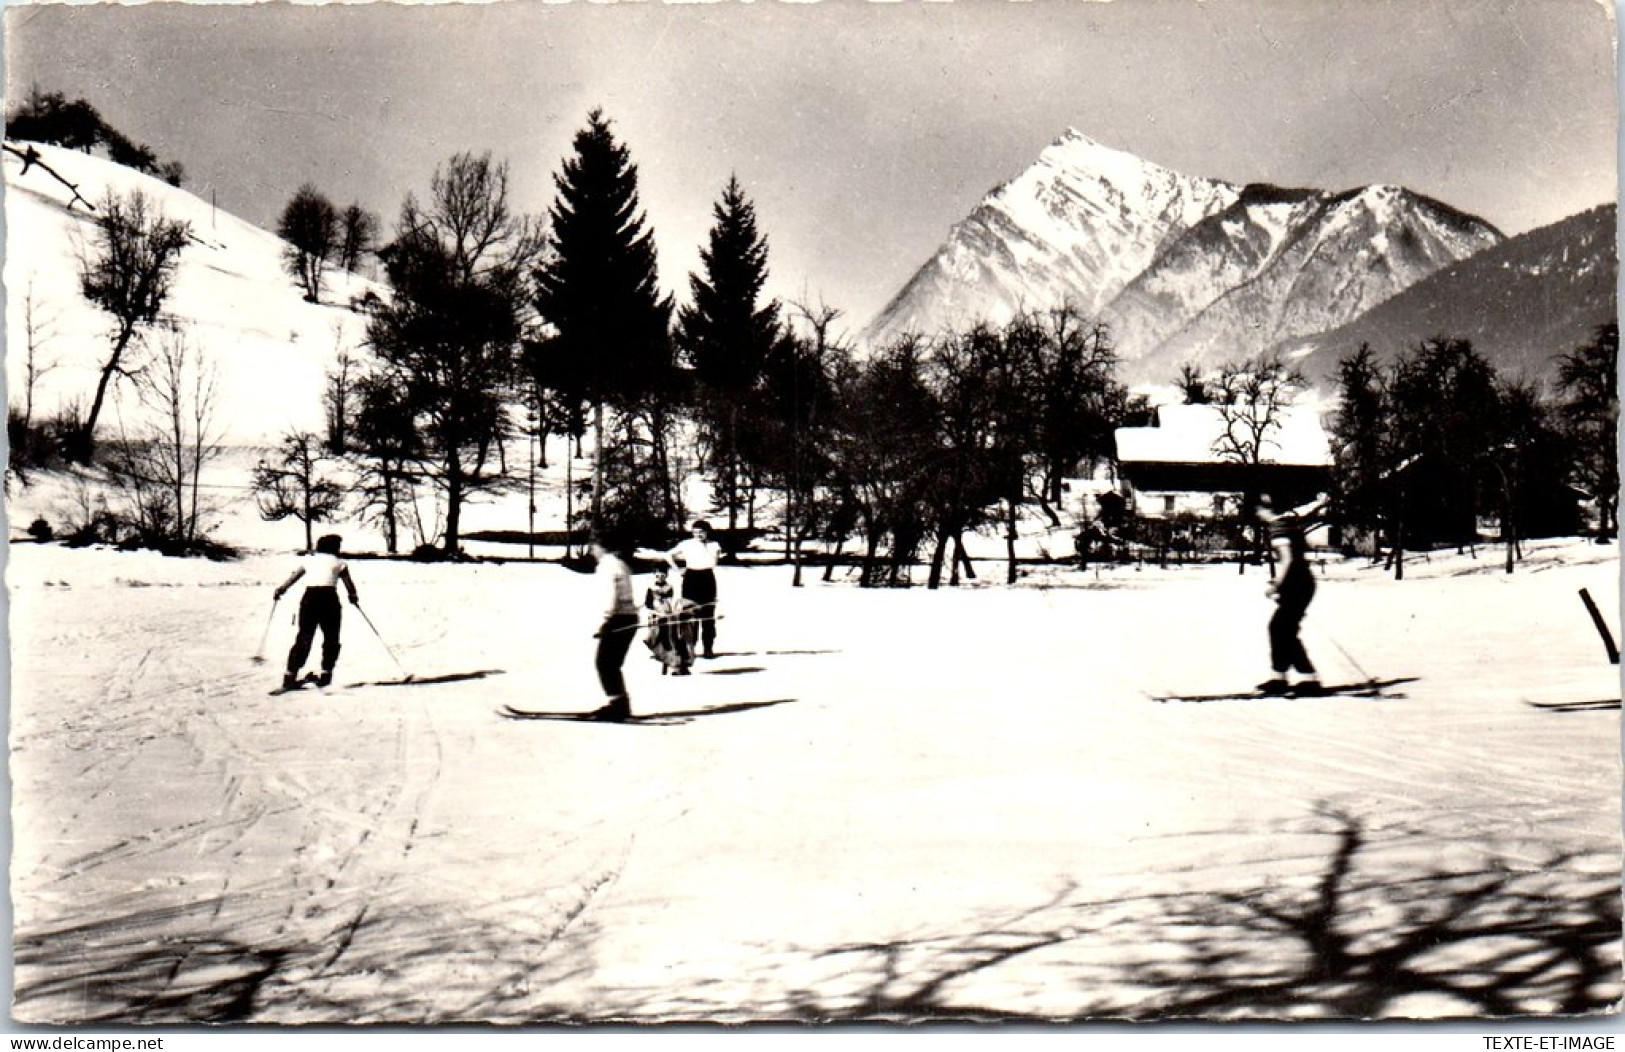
column 901, row 805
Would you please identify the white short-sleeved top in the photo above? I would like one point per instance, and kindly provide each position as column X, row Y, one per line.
column 696, row 554
column 323, row 570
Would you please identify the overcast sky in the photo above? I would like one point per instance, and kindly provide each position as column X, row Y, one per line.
column 861, row 131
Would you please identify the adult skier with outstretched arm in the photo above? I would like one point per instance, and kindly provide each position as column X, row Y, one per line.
column 1292, row 586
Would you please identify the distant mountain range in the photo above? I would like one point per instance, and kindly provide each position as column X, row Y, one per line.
column 1201, row 271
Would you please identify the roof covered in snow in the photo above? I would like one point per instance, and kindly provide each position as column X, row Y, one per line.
column 1190, row 434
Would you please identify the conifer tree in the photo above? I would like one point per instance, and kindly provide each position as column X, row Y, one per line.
column 610, row 346
column 728, row 339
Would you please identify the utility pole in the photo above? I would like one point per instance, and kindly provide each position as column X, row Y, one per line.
column 531, row 420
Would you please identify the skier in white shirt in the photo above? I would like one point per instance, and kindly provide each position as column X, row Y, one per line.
column 619, row 619
column 319, row 608
column 697, row 557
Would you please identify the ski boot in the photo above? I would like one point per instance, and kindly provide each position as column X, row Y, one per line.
column 616, row 710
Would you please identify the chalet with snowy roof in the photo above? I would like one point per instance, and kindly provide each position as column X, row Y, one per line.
column 1180, row 464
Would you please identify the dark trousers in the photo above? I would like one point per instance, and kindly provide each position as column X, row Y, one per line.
column 700, row 588
column 1286, row 649
column 319, row 608
column 614, row 640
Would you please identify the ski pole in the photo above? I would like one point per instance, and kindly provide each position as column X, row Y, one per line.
column 675, row 618
column 259, row 654
column 380, row 636
column 1350, row 658
column 1602, row 626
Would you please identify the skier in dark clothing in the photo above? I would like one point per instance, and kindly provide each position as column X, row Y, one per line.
column 1292, row 587
column 319, row 608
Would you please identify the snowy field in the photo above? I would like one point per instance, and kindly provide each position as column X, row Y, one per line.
column 873, row 804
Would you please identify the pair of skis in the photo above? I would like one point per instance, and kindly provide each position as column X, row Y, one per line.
column 509, row 712
column 1367, row 688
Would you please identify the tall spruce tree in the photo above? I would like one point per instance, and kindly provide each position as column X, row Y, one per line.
column 610, row 347
column 728, row 339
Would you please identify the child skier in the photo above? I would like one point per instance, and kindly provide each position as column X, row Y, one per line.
column 619, row 620
column 1292, row 587
column 671, row 628
column 319, row 608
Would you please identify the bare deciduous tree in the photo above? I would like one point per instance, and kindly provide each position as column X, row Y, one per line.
column 127, row 273
column 448, row 337
column 310, row 226
column 38, row 330
column 159, row 469
column 295, row 485
column 358, row 235
column 1252, row 399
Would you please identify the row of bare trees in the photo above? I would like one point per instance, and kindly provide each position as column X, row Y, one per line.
column 1475, row 444
column 317, row 234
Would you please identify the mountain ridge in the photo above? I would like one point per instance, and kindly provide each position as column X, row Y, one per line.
column 1183, row 268
column 1522, row 303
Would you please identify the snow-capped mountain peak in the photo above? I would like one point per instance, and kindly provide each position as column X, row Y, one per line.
column 1074, row 227
column 1178, row 265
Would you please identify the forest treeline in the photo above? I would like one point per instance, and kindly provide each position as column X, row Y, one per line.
column 497, row 329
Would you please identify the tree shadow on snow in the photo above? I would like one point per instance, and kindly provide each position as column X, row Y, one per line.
column 1367, row 932
column 741, row 670
column 1501, row 939
column 387, row 962
column 141, row 968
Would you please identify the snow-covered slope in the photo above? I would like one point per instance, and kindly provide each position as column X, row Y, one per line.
column 270, row 348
